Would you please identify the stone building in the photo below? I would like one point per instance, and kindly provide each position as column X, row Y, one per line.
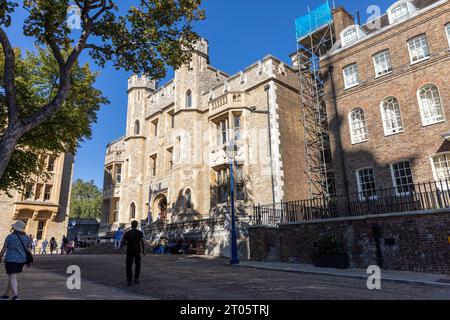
column 388, row 97
column 44, row 204
column 172, row 160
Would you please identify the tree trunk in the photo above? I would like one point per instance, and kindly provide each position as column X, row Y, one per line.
column 7, row 145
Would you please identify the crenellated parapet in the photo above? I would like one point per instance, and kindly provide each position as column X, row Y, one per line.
column 141, row 82
column 259, row 72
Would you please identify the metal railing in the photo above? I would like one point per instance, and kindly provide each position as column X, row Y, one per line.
column 407, row 198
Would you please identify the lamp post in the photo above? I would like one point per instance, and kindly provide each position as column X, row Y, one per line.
column 231, row 154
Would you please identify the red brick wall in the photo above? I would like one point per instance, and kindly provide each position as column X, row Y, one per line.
column 261, row 239
column 417, row 143
column 421, row 241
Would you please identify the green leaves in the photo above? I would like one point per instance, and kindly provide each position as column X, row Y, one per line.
column 56, row 102
column 150, row 36
column 37, row 83
column 86, row 200
column 6, row 8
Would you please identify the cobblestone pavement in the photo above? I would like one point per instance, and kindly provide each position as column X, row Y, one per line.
column 185, row 277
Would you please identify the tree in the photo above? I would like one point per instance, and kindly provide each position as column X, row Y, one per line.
column 146, row 40
column 86, row 200
column 36, row 73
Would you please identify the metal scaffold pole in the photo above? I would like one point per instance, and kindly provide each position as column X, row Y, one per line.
column 314, row 38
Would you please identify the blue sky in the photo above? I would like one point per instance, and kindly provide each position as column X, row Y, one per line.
column 239, row 32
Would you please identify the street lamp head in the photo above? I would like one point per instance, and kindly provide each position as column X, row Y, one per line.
column 252, row 109
column 231, row 150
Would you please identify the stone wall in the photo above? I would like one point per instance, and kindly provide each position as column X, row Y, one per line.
column 410, row 242
column 215, row 232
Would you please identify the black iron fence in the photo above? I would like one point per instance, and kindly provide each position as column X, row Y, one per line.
column 413, row 197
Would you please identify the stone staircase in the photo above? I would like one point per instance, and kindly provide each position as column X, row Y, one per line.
column 107, row 248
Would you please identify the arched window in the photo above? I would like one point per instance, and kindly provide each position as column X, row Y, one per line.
column 358, row 126
column 400, row 10
column 132, row 211
column 137, row 128
column 430, row 105
column 392, row 118
column 189, row 99
column 188, row 196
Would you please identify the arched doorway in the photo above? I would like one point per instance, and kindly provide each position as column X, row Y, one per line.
column 159, row 211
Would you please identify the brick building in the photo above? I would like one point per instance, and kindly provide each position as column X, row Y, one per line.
column 388, row 98
column 172, row 162
column 44, row 204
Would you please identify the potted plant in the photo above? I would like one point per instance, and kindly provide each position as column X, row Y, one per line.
column 330, row 254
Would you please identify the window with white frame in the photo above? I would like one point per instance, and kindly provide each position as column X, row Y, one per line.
column 222, row 132
column 351, row 34
column 430, row 105
column 418, row 48
column 366, row 184
column 351, row 75
column 441, row 166
column 358, row 126
column 402, row 177
column 447, row 30
column 382, row 62
column 392, row 118
column 400, row 11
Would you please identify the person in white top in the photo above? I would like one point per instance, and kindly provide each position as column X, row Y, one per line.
column 35, row 245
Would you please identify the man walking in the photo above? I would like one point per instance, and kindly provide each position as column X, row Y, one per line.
column 44, row 247
column 64, row 243
column 134, row 240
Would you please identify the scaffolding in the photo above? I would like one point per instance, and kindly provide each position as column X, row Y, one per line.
column 315, row 37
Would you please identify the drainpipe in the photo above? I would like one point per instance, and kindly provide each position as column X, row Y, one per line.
column 267, row 88
column 340, row 151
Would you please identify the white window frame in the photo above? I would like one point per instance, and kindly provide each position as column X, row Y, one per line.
column 394, row 178
column 435, row 173
column 352, row 134
column 423, row 51
column 361, row 195
column 402, row 5
column 425, row 121
column 400, row 127
column 354, row 76
column 385, row 66
column 356, row 30
column 447, row 31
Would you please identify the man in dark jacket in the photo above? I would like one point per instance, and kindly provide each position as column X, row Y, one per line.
column 134, row 240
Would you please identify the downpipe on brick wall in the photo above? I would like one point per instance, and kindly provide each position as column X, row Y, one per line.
column 340, row 151
column 376, row 230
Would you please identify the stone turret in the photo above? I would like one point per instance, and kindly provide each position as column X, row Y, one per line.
column 141, row 82
column 202, row 47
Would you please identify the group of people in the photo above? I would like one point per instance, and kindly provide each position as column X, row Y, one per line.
column 66, row 247
column 18, row 247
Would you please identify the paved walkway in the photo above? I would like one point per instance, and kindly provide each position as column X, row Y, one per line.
column 386, row 275
column 39, row 284
column 170, row 277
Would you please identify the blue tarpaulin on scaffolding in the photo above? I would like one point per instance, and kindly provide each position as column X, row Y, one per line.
column 314, row 20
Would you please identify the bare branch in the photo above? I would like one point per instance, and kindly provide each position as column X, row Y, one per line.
column 10, row 84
